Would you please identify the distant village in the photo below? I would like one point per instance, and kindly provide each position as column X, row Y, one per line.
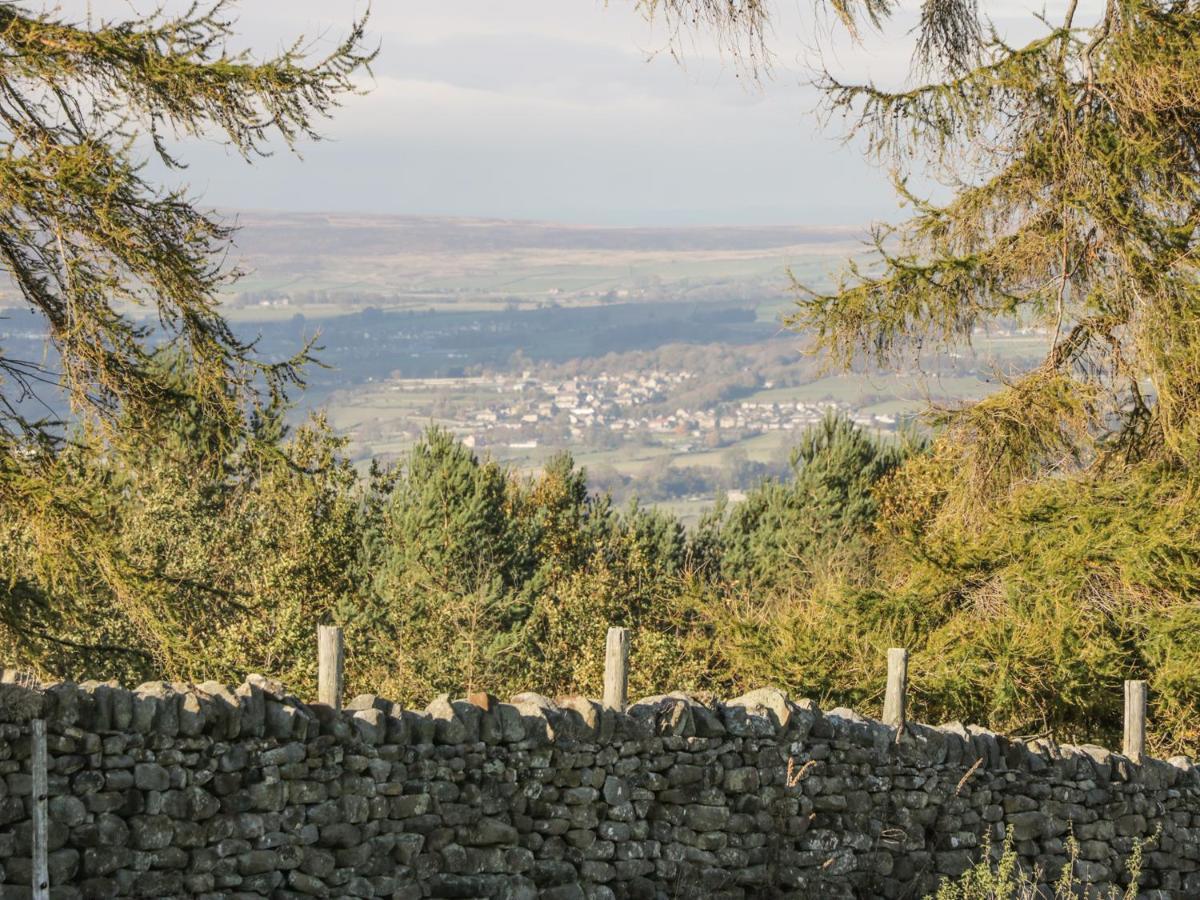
column 521, row 411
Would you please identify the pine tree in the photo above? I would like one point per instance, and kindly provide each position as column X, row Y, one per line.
column 819, row 519
column 949, row 30
column 1041, row 551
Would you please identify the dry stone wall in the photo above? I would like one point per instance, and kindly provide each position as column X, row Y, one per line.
column 179, row 791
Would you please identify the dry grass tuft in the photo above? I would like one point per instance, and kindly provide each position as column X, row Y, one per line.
column 967, row 777
column 794, row 775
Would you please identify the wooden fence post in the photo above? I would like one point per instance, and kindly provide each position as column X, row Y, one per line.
column 41, row 791
column 331, row 663
column 616, row 669
column 897, row 687
column 1135, row 720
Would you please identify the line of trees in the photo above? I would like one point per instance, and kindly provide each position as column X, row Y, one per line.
column 451, row 573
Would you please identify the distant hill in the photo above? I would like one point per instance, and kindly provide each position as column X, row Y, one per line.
column 271, row 233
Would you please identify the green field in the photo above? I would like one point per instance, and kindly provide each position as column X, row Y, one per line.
column 387, row 409
column 854, row 389
column 327, row 265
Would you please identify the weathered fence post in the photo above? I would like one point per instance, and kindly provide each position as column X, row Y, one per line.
column 41, row 791
column 897, row 687
column 1135, row 720
column 331, row 663
column 616, row 669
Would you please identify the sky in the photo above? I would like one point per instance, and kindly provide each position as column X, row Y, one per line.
column 566, row 110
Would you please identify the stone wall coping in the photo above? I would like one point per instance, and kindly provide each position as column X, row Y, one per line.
column 261, row 707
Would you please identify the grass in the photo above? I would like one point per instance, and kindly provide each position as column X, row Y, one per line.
column 850, row 388
column 894, row 408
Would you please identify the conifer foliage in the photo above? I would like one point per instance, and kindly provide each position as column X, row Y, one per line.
column 93, row 247
column 89, row 240
column 1040, row 551
column 1072, row 167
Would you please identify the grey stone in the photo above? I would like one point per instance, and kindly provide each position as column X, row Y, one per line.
column 151, row 777
column 769, row 703
column 448, row 728
column 370, row 725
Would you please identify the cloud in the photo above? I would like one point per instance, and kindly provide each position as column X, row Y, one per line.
column 570, row 110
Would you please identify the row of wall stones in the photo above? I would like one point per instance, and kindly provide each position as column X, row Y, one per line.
column 203, row 791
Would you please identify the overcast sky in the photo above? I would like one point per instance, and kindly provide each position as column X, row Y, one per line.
column 566, row 110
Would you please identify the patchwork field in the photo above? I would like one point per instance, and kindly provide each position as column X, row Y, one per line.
column 475, row 265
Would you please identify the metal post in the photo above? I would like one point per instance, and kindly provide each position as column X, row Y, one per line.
column 40, row 798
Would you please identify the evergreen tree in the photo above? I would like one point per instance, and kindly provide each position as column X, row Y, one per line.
column 1074, row 180
column 1037, row 555
column 1079, row 214
column 446, row 521
column 90, row 244
column 949, row 31
column 216, row 571
column 821, row 518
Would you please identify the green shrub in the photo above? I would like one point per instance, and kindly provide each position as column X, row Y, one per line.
column 1007, row 879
